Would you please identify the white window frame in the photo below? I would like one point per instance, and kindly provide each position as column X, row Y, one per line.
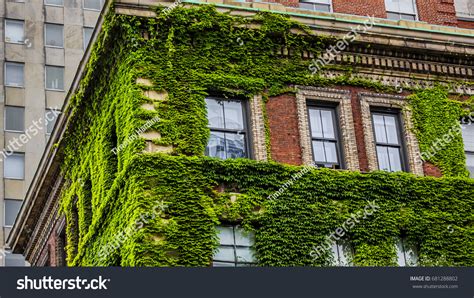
column 56, row 5
column 5, row 74
column 45, row 39
column 415, row 10
column 4, row 166
column 5, row 212
column 5, row 31
column 321, row 2
column 46, row 78
column 234, row 246
column 93, row 9
column 5, row 119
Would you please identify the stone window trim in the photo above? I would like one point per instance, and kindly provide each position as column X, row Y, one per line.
column 376, row 100
column 346, row 122
column 257, row 127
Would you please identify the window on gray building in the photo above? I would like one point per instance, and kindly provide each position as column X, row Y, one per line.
column 51, row 117
column 87, row 36
column 11, row 209
column 468, row 136
column 401, row 9
column 54, row 2
column 54, row 78
column 14, row 118
column 325, row 136
column 388, row 141
column 54, row 35
column 93, row 4
column 316, row 5
column 234, row 247
column 14, row 74
column 14, row 166
column 227, row 122
column 406, row 254
column 14, row 31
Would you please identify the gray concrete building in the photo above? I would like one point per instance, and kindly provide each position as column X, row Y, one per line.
column 41, row 45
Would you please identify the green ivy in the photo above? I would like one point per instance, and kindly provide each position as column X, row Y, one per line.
column 189, row 54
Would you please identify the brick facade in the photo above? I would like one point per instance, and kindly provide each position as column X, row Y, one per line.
column 439, row 12
column 374, row 8
column 284, row 132
column 466, row 24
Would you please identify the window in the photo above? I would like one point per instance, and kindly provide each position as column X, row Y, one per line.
column 14, row 74
column 14, row 166
column 401, row 9
column 324, row 136
column 14, row 31
column 54, row 2
column 93, row 4
column 317, row 5
column 14, row 118
column 235, row 247
column 14, row 260
column 12, row 207
column 406, row 255
column 51, row 117
column 55, row 78
column 342, row 253
column 87, row 36
column 388, row 142
column 468, row 136
column 464, row 9
column 227, row 122
column 54, row 35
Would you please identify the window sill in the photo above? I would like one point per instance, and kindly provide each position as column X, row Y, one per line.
column 55, row 90
column 15, row 86
column 53, row 47
column 14, row 131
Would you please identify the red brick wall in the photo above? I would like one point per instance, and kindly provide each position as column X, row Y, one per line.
column 466, row 24
column 374, row 8
column 284, row 133
column 440, row 12
column 431, row 170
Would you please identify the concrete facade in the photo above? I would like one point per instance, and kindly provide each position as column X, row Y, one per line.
column 36, row 96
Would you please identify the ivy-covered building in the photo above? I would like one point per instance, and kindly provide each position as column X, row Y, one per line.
column 250, row 134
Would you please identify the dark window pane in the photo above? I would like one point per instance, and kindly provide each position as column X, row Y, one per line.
column 235, row 144
column 233, row 115
column 243, row 238
column 216, row 145
column 408, row 17
column 393, row 16
column 322, row 7
column 244, row 254
column 215, row 113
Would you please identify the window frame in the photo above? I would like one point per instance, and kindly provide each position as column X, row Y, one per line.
column 50, row 110
column 5, row 74
column 101, row 4
column 400, row 131
column 337, row 132
column 246, row 124
column 84, row 45
column 5, row 212
column 45, row 39
column 5, row 31
column 399, row 13
column 234, row 247
column 46, row 78
column 317, row 2
column 55, row 5
column 24, row 165
column 5, row 119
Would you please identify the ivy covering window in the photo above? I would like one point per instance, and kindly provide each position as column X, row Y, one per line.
column 227, row 122
column 324, row 136
column 14, row 31
column 342, row 253
column 316, row 5
column 406, row 255
column 388, row 141
column 401, row 9
column 234, row 247
column 468, row 136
